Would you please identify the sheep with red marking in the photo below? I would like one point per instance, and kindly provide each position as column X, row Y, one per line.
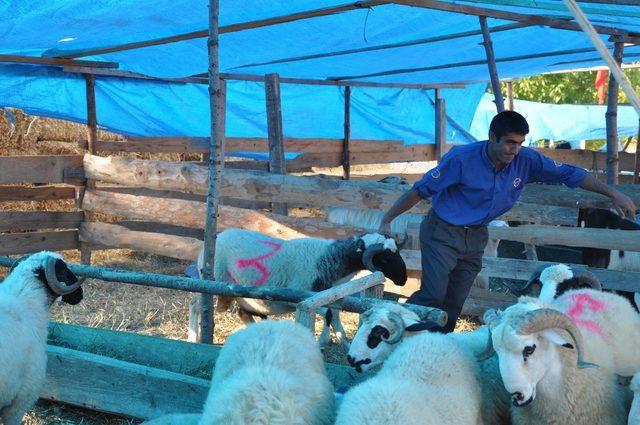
column 311, row 264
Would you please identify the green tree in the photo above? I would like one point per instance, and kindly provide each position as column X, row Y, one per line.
column 572, row 87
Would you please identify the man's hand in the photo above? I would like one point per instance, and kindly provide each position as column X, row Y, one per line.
column 385, row 228
column 624, row 205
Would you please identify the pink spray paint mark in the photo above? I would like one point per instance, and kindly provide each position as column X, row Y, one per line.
column 581, row 302
column 257, row 264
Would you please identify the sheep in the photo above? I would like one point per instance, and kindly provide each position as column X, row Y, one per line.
column 431, row 378
column 312, row 264
column 546, row 374
column 271, row 372
column 634, row 413
column 610, row 259
column 26, row 296
column 550, row 282
column 370, row 220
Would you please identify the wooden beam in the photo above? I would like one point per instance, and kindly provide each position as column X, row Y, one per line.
column 491, row 62
column 36, row 169
column 24, row 243
column 42, row 193
column 559, row 22
column 274, row 124
column 92, row 137
column 225, row 29
column 31, row 220
column 441, row 125
column 591, row 160
column 346, row 145
column 36, row 60
column 386, row 46
column 611, row 118
column 118, row 387
column 616, row 71
column 636, row 170
column 510, row 95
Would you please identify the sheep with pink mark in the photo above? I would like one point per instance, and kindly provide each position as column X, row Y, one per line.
column 312, row 264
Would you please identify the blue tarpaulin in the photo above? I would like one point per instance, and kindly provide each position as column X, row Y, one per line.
column 384, row 43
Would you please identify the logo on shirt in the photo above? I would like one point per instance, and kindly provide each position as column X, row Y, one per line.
column 517, row 181
column 435, row 173
column 557, row 164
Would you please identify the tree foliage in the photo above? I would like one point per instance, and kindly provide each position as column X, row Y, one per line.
column 571, row 88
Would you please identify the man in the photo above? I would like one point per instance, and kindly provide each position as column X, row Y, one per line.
column 472, row 185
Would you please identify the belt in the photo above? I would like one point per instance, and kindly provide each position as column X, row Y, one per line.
column 468, row 227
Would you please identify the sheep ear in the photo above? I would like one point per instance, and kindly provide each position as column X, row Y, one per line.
column 553, row 336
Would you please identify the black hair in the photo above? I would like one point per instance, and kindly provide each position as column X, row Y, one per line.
column 508, row 122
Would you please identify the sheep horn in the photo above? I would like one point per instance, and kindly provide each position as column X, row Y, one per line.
column 403, row 242
column 397, row 321
column 56, row 286
column 546, row 318
column 488, row 351
column 589, row 278
column 369, row 253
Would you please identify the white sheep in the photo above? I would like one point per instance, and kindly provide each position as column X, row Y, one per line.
column 312, row 264
column 370, row 220
column 385, row 329
column 550, row 282
column 26, row 295
column 272, row 372
column 431, row 378
column 544, row 371
column 634, row 413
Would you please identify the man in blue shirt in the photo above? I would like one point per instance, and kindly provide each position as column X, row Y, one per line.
column 471, row 186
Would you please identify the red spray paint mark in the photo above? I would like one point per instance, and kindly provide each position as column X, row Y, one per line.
column 257, row 264
column 581, row 302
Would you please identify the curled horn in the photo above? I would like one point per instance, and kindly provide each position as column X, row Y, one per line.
column 369, row 253
column 399, row 324
column 491, row 318
column 56, row 286
column 547, row 318
column 403, row 242
column 589, row 278
column 525, row 289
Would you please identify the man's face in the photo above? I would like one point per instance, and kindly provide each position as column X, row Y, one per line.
column 503, row 150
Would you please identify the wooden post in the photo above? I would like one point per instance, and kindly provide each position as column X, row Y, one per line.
column 441, row 126
column 491, row 61
column 276, row 139
column 215, row 169
column 614, row 68
column 612, row 120
column 636, row 173
column 510, row 95
column 92, row 137
column 346, row 166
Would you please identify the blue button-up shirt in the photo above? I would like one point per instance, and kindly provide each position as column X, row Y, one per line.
column 467, row 189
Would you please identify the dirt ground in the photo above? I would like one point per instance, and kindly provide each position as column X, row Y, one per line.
column 131, row 308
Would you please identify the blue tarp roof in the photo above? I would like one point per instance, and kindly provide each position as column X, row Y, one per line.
column 147, row 108
column 558, row 122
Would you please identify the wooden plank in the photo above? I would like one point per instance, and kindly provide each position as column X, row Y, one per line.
column 191, row 214
column 167, row 229
column 441, row 126
column 243, row 144
column 113, row 386
column 346, row 143
column 613, row 168
column 277, row 163
column 43, row 193
column 23, row 243
column 591, row 160
column 31, row 220
column 491, row 62
column 180, row 357
column 113, row 235
column 36, row 169
column 37, row 60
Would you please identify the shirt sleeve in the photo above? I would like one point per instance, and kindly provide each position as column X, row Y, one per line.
column 546, row 170
column 445, row 174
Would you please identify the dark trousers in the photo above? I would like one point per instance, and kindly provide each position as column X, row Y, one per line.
column 451, row 260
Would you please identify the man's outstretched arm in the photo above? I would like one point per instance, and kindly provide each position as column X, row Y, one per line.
column 402, row 204
column 622, row 202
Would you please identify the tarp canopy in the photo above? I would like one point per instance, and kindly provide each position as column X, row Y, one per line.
column 384, row 43
column 571, row 123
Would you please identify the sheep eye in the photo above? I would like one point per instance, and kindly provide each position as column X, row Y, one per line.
column 528, row 350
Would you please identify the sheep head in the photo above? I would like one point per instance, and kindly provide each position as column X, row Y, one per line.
column 50, row 270
column 552, row 281
column 527, row 340
column 380, row 330
column 382, row 253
